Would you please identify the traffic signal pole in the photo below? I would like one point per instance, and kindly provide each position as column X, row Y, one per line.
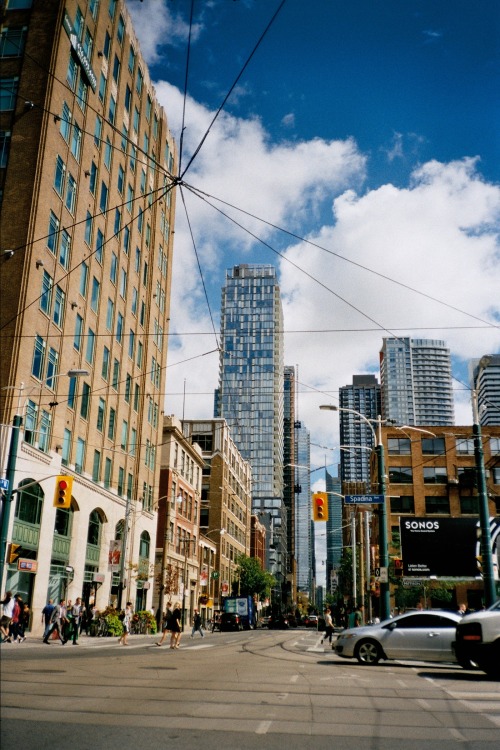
column 8, row 497
column 385, row 596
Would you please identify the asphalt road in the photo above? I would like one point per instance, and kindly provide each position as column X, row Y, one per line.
column 262, row 689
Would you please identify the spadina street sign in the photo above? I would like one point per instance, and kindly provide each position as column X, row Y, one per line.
column 364, row 499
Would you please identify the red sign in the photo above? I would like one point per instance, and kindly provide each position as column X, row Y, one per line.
column 27, row 566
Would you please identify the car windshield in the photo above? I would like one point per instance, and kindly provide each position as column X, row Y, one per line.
column 495, row 607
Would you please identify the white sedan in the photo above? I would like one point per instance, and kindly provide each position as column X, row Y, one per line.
column 425, row 635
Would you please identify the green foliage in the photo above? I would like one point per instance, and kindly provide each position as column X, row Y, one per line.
column 147, row 620
column 252, row 579
column 115, row 626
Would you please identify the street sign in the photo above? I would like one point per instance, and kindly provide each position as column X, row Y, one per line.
column 363, row 499
column 381, row 575
column 4, row 485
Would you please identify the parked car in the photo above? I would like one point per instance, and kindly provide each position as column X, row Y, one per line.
column 278, row 622
column 426, row 635
column 478, row 641
column 311, row 621
column 230, row 621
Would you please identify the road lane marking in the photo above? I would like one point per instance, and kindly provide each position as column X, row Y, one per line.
column 263, row 727
column 294, row 678
column 457, row 735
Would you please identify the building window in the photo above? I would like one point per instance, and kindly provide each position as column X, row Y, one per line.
column 98, row 131
column 435, row 475
column 131, row 343
column 112, row 110
column 110, row 314
column 116, row 374
column 52, row 361
column 495, row 445
column 139, row 81
column 101, row 411
column 84, row 279
column 46, row 295
column 102, row 87
column 103, row 203
column 128, row 388
column 118, row 221
column 111, row 424
column 116, row 69
column 71, row 393
column 76, row 141
column 52, row 237
column 5, row 137
column 38, row 362
column 88, row 229
column 400, row 475
column 121, row 480
column 399, row 446
column 131, row 59
column 12, row 41
column 70, row 200
column 99, row 244
column 433, row 446
column 81, row 94
column 94, row 297
column 95, row 527
column 123, row 283
column 96, row 466
column 107, row 473
column 119, row 328
column 113, row 268
column 77, row 340
column 124, row 437
column 29, row 503
column 8, row 94
column 90, row 348
column 64, row 249
column 105, row 363
column 58, row 312
column 404, row 504
column 59, row 176
column 66, row 448
column 437, row 505
column 85, row 401
column 80, row 455
column 469, row 505
column 72, row 74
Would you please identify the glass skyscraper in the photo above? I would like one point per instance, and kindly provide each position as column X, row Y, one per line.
column 486, row 381
column 416, row 382
column 250, row 394
column 303, row 528
column 364, row 397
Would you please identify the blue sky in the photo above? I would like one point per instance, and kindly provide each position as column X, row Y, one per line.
column 369, row 127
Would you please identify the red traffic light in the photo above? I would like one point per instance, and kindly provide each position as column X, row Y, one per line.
column 320, row 506
column 62, row 494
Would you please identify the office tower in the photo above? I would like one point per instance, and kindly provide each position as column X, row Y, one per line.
column 303, row 529
column 86, row 216
column 356, row 437
column 416, row 381
column 485, row 378
column 250, row 393
column 290, row 424
column 333, row 530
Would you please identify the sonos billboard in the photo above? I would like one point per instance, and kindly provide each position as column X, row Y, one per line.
column 445, row 547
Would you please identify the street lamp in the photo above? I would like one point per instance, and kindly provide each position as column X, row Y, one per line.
column 383, row 540
column 484, row 515
column 17, row 423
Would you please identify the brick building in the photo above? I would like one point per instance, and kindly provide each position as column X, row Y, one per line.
column 85, row 271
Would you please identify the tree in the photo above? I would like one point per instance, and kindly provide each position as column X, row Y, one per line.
column 252, row 579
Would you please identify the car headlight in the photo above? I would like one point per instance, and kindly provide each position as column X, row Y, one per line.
column 348, row 636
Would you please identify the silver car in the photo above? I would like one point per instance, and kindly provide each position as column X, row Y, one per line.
column 425, row 635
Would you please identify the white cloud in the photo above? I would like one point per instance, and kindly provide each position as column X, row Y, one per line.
column 437, row 235
column 156, row 25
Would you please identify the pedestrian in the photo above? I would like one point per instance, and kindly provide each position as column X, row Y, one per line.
column 165, row 625
column 76, row 613
column 126, row 623
column 175, row 626
column 197, row 625
column 46, row 615
column 17, row 613
column 25, row 620
column 328, row 626
column 7, row 603
column 355, row 617
column 58, row 621
column 462, row 610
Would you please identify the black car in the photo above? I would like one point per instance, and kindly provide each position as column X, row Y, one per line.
column 230, row 621
column 278, row 622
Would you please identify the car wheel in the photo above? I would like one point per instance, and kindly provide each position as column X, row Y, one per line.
column 368, row 652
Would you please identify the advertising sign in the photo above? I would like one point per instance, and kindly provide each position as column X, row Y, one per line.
column 445, row 547
column 114, row 554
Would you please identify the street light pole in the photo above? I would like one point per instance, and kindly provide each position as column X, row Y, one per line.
column 385, row 609
column 484, row 515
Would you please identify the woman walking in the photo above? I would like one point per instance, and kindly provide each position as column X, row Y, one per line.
column 127, row 621
column 175, row 626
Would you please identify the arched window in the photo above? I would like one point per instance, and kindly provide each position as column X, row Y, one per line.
column 63, row 522
column 119, row 529
column 29, row 502
column 144, row 545
column 95, row 526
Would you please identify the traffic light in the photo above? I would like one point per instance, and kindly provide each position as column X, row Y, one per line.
column 320, row 506
column 62, row 495
column 398, row 567
column 14, row 552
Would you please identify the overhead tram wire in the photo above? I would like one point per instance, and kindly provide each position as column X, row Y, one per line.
column 224, row 101
column 297, row 237
column 203, row 197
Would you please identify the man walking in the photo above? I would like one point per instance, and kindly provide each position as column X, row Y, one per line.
column 46, row 616
column 76, row 612
column 197, row 625
column 57, row 622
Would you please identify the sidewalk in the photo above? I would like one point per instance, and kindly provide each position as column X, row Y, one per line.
column 86, row 642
